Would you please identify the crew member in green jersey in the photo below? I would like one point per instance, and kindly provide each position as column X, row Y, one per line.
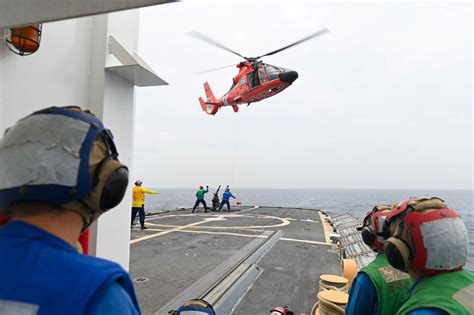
column 378, row 288
column 429, row 241
column 200, row 198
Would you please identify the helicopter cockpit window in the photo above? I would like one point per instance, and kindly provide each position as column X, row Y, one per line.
column 273, row 72
column 261, row 73
column 243, row 81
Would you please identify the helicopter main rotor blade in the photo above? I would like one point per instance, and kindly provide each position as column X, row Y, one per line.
column 210, row 41
column 318, row 33
column 214, row 69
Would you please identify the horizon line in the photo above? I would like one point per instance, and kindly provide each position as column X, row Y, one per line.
column 302, row 188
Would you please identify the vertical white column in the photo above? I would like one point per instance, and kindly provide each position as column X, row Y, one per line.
column 68, row 69
column 112, row 232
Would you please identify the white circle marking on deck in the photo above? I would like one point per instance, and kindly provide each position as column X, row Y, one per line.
column 284, row 222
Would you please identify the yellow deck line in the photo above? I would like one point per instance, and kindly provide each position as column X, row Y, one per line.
column 229, row 233
column 249, row 209
column 327, row 228
column 219, row 218
column 147, row 237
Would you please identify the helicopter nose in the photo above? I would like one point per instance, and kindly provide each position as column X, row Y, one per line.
column 288, row 76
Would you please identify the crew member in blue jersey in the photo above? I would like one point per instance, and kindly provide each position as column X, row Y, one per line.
column 60, row 172
column 225, row 199
column 378, row 288
column 200, row 198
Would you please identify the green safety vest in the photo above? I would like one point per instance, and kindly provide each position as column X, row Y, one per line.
column 200, row 194
column 452, row 292
column 391, row 284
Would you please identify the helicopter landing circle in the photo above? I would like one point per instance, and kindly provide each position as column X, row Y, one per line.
column 223, row 217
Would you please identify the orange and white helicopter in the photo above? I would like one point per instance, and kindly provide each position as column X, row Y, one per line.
column 254, row 82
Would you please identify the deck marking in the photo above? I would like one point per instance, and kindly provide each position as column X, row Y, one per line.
column 284, row 222
column 305, row 241
column 244, row 235
column 147, row 237
column 309, row 220
column 223, row 233
column 249, row 209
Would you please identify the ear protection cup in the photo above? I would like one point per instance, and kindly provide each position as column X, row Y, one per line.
column 114, row 189
column 110, row 177
column 398, row 253
column 368, row 236
column 110, row 184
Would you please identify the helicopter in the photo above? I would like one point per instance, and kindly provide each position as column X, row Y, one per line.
column 255, row 81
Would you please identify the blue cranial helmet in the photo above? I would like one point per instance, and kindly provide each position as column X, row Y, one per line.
column 62, row 156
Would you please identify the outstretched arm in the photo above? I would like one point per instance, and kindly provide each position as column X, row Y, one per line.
column 149, row 191
column 207, row 189
column 232, row 195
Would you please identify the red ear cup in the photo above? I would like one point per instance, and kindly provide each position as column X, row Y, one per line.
column 368, row 236
column 398, row 253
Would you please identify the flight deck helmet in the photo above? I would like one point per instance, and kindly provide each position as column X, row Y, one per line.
column 425, row 236
column 372, row 227
column 62, row 156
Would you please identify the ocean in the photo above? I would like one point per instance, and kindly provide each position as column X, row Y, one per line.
column 356, row 201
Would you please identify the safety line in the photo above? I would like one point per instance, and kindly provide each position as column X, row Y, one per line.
column 235, row 148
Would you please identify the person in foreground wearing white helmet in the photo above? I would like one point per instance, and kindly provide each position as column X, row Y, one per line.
column 138, row 205
column 59, row 172
column 429, row 241
column 378, row 287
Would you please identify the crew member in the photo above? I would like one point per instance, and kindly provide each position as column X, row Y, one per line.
column 60, row 172
column 138, row 205
column 378, row 287
column 429, row 241
column 225, row 199
column 200, row 198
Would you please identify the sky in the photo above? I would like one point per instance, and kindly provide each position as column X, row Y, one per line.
column 384, row 100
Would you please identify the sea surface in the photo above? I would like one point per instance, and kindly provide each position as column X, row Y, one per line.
column 356, row 201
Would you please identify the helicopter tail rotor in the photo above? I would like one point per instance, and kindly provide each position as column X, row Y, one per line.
column 208, row 107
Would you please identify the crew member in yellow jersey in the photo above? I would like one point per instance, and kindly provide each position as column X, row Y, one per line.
column 138, row 204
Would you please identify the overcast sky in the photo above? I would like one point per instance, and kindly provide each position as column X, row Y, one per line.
column 382, row 101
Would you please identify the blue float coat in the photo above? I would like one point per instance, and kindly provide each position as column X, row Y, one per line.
column 39, row 270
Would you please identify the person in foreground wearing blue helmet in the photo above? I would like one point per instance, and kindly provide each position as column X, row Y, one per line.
column 225, row 199
column 378, row 288
column 59, row 172
column 429, row 241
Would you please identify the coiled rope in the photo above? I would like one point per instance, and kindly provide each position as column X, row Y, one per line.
column 332, row 296
column 333, row 282
column 332, row 302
